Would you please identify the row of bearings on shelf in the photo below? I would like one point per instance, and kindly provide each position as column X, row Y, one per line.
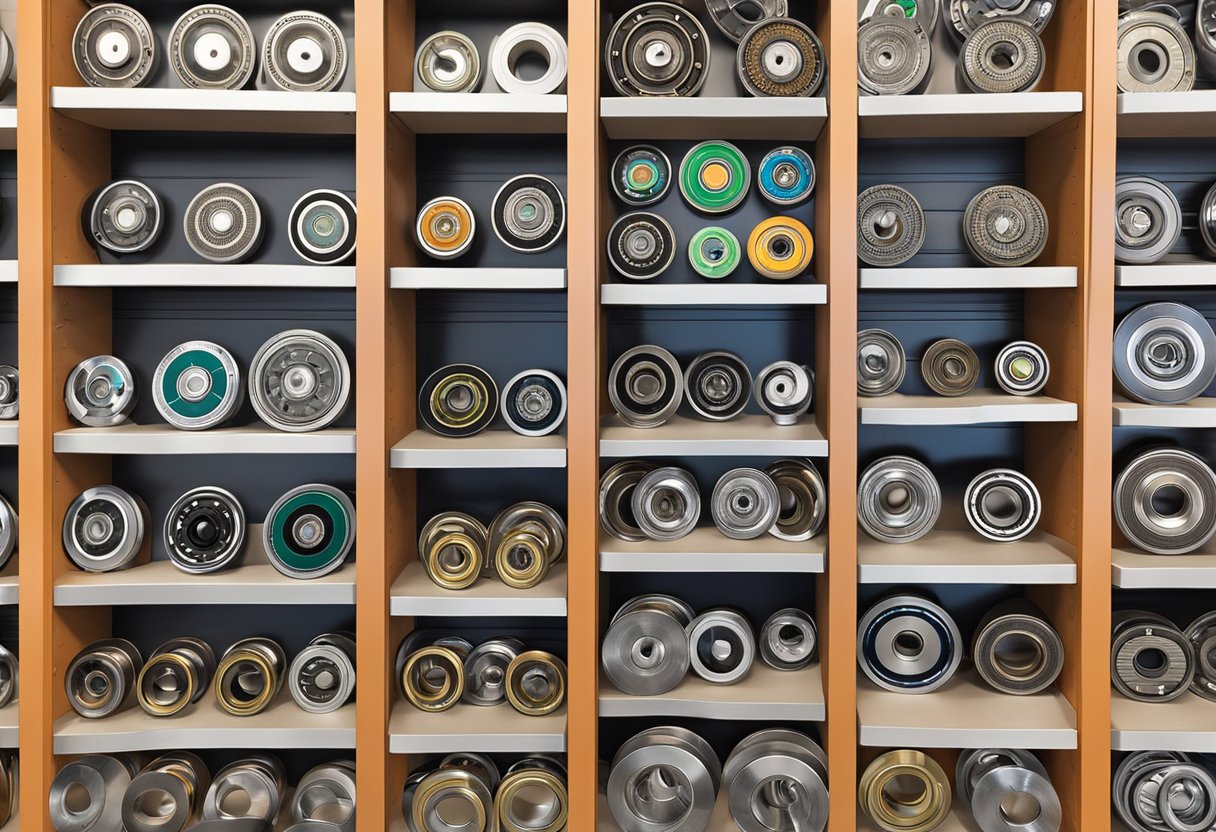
column 899, row 501
column 1153, row 660
column 448, row 61
column 1002, row 226
column 1165, row 501
column 643, row 501
column 661, row 49
column 519, row 546
column 949, row 366
column 176, row 791
column 107, row 676
column 466, row 792
column 1148, row 220
column 909, row 644
column 1006, row 789
column 1165, row 791
column 654, row 640
column 528, row 215
column 1164, row 353
column 435, row 673
column 223, row 223
column 646, row 386
column 669, row 778
column 1156, row 52
column 462, row 400
column 308, row 532
column 210, row 47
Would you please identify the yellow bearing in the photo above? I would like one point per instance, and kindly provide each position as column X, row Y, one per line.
column 178, row 665
column 452, row 548
column 895, row 808
column 522, row 558
column 445, row 786
column 780, row 248
column 236, row 665
column 536, row 683
column 445, row 227
column 477, row 409
column 433, row 678
column 531, row 779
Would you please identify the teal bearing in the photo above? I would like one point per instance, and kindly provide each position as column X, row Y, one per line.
column 197, row 385
column 714, row 252
column 309, row 531
column 715, row 177
column 786, row 175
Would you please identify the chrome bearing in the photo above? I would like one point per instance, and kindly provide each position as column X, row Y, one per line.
column 657, row 49
column 99, row 778
column 453, row 549
column 113, row 46
column 525, row 540
column 646, row 649
column 1022, row 368
column 950, row 367
column 458, row 400
column 745, row 503
column 322, row 675
column 714, row 252
column 533, row 796
column 205, row 530
column 777, row 779
column 616, row 499
column 890, row 226
column 432, row 677
column 100, row 392
column 881, row 363
column 485, row 671
column 781, row 57
column 1207, row 215
column 663, row 778
column 893, row 55
column 8, row 531
column 1205, row 35
column 1005, row 226
column 641, row 175
column 212, row 47
column 784, row 390
column 786, row 175
column 175, row 676
column 166, row 794
column 1165, row 501
column 445, row 227
column 534, row 403
column 1002, row 505
column 908, row 644
column 735, row 17
column 101, row 678
column 247, row 788
column 1151, row 660
column 529, row 213
column 1148, row 220
column 1164, row 353
column 299, row 381
column 1202, row 635
column 448, row 61
column 645, row 386
column 666, row 504
column 974, row 763
column 535, row 683
column 641, row 245
column 905, row 790
column 322, row 227
column 780, row 248
column 1016, row 799
column 789, row 640
column 714, row 177
column 324, row 799
column 721, row 646
column 223, row 223
column 309, row 531
column 718, row 385
column 8, row 691
column 250, row 676
column 968, row 15
column 104, row 529
column 464, row 793
column 9, row 389
column 124, row 216
column 1001, row 56
column 898, row 500
column 1154, row 53
column 1165, row 790
column 197, row 385
column 534, row 39
column 303, row 51
column 802, row 499
column 1016, row 650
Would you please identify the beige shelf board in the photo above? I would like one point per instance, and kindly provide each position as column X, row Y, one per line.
column 978, row 277
column 979, row 407
column 748, row 435
column 253, row 111
column 712, row 293
column 708, row 550
column 491, row 730
column 179, row 275
column 8, row 268
column 765, row 694
column 492, row 279
column 8, row 127
column 205, row 725
column 1167, row 273
column 413, row 593
column 9, row 581
column 960, row 115
column 1197, row 413
column 704, row 117
column 479, row 112
column 958, row 556
column 489, row 449
column 960, row 819
column 719, row 821
column 8, row 434
column 166, row 440
column 1167, row 114
column 8, row 725
column 1185, row 724
column 1132, row 568
column 965, row 713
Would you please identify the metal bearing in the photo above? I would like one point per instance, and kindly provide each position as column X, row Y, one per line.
column 745, row 503
column 721, row 646
column 641, row 245
column 212, row 47
column 789, row 640
column 718, row 385
column 714, row 252
column 103, row 779
column 309, row 531
column 666, row 504
column 8, row 680
column 1207, row 213
column 1205, row 35
column 523, row 39
column 534, row 403
column 1148, row 220
column 303, row 51
column 734, row 17
column 645, row 386
column 714, row 177
column 950, row 367
column 324, row 799
column 445, row 227
column 1016, row 650
column 1164, row 790
column 1202, row 635
column 197, row 385
column 780, row 248
column 893, row 55
column 529, row 213
column 1022, row 368
column 113, row 46
column 251, row 787
column 452, row 548
column 908, row 644
column 898, row 500
column 781, row 57
column 322, row 227
column 533, row 796
column 464, row 793
column 458, row 400
column 175, row 676
column 299, row 381
column 881, row 363
column 669, row 604
column 1153, row 53
column 973, row 764
column 641, row 175
column 924, row 12
column 663, row 778
column 124, row 217
column 1151, row 660
column 774, row 779
column 1165, row 501
column 1164, row 353
column 1001, row 56
column 100, row 391
column 968, row 15
column 166, row 794
column 786, row 175
column 432, row 677
column 448, row 61
column 101, row 678
column 103, row 529
column 1005, row 226
column 890, row 226
column 1002, row 505
column 657, row 49
column 8, row 61
column 485, row 670
column 802, row 499
column 8, row 531
column 322, row 675
column 205, row 530
column 646, row 650
column 223, row 223
column 9, row 389
column 1016, row 799
column 250, row 676
column 784, row 390
column 905, row 791
column 536, row 683
column 616, row 499
column 524, row 541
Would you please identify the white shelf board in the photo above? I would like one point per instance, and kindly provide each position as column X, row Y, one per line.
column 9, row 581
column 1166, row 273
column 8, row 127
column 706, row 118
column 960, row 819
column 180, row 275
column 492, row 730
column 961, row 115
column 413, row 593
column 964, row 713
column 979, row 407
column 166, row 440
column 748, row 435
column 8, row 268
column 1168, row 114
column 8, row 725
column 708, row 550
column 978, row 277
column 206, row 725
column 255, row 111
column 712, row 293
column 953, row 556
column 1197, row 413
column 489, row 449
column 765, row 693
column 1131, row 568
column 8, row 433
column 492, row 279
column 1188, row 723
column 479, row 112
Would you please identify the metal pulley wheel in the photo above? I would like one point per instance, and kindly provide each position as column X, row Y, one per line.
column 1001, row 56
column 250, row 676
column 445, row 227
column 197, row 385
column 950, row 367
column 432, row 677
column 303, row 51
column 881, row 363
column 714, row 252
column 251, row 787
column 524, row 541
column 124, row 217
column 1164, row 353
column 968, row 15
column 1002, row 505
column 789, row 640
column 1022, row 368
column 104, row 528
column 324, row 799
column 448, row 61
column 1016, row 799
column 666, row 504
column 1201, row 633
column 113, row 46
column 536, row 683
column 721, row 646
column 10, row 388
column 893, row 55
column 458, row 400
column 485, row 671
column 322, row 227
column 735, row 17
column 786, row 175
column 905, row 791
column 890, row 226
column 100, row 392
column 321, row 678
column 669, row 604
column 714, row 177
column 212, row 47
column 464, row 792
column 924, row 12
column 175, row 676
column 224, row 223
column 784, row 390
column 745, row 503
column 1148, row 220
column 641, row 174
column 780, row 248
column 777, row 779
column 908, row 644
column 646, row 650
column 641, row 245
column 974, row 763
column 663, row 778
column 645, row 386
column 166, row 794
column 533, row 796
column 1016, row 650
column 299, row 381
column 616, row 495
column 102, row 780
column 898, row 500
column 1005, row 226
column 1151, row 660
column 802, row 499
column 205, row 530
column 781, row 57
column 718, row 385
column 535, row 40
column 1165, row 790
column 309, row 531
column 1153, row 53
column 1165, row 501
column 657, row 49
column 529, row 213
column 452, row 548
column 534, row 403
column 101, row 678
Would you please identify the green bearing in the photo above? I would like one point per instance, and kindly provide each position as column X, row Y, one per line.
column 715, row 177
column 714, row 252
column 309, row 531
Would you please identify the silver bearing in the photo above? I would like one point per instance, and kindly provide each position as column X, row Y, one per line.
column 8, row 62
column 321, row 678
column 1001, row 56
column 533, row 796
column 204, row 530
column 645, row 386
column 950, row 367
column 251, row 787
column 1016, row 650
column 529, row 213
column 445, row 227
column 535, row 39
column 223, row 223
column 464, row 793
column 1205, row 35
column 893, row 55
column 1022, row 368
column 898, row 500
column 1165, row 501
column 10, row 401
column 1207, row 214
column 616, row 499
column 100, row 392
column 666, row 503
column 881, row 363
column 1154, row 53
column 664, row 778
column 974, row 763
column 657, row 49
column 646, row 648
column 641, row 245
column 1202, row 635
column 781, row 56
column 299, row 381
column 197, row 385
column 309, row 531
column 1002, row 504
column 322, row 227
column 908, row 644
column 103, row 529
column 734, row 17
column 103, row 780
column 212, row 47
column 1151, row 660
column 9, row 675
column 1165, row 791
column 533, row 403
column 325, row 797
column 303, row 51
column 745, row 503
column 669, row 604
column 721, row 646
column 124, row 216
column 166, row 794
column 890, row 226
column 101, row 678
column 485, row 670
column 1005, row 226
column 8, row 531
column 1148, row 220
column 789, row 640
column 968, row 15
column 718, row 385
column 777, row 779
column 784, row 390
column 175, row 676
column 524, row 541
column 1016, row 799
column 448, row 61
column 802, row 499
column 1164, row 353
column 113, row 46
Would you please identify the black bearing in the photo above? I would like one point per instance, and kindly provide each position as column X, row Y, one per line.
column 657, row 49
column 529, row 213
column 641, row 245
column 1151, row 660
column 641, row 175
column 534, row 403
column 205, row 530
column 124, row 217
column 458, row 400
column 718, row 385
column 645, row 386
column 322, row 227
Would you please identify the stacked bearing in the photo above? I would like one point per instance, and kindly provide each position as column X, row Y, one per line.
column 528, row 215
column 1163, row 501
column 1165, row 791
column 949, row 367
column 519, row 546
column 1155, row 52
column 1152, row 660
column 462, row 400
column 529, row 796
column 449, row 61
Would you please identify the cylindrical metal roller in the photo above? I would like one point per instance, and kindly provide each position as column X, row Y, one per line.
column 104, row 528
column 212, row 47
column 893, row 55
column 898, row 500
column 714, row 252
column 663, row 778
column 114, row 46
column 745, row 503
column 86, row 793
column 718, row 385
column 531, row 40
column 223, row 223
column 458, row 400
column 204, row 530
column 1002, row 504
column 784, row 390
column 645, row 650
column 535, row 683
column 714, row 177
column 721, row 646
column 1153, row 53
column 777, row 779
column 309, row 531
column 124, row 217
column 641, row 245
column 1148, row 220
column 322, row 227
column 250, row 675
column 523, row 541
column 322, row 675
column 432, row 677
column 166, row 795
column 303, row 51
column 641, row 174
column 1022, row 368
column 251, row 787
column 786, row 175
column 533, row 797
column 100, row 392
column 780, row 248
column 645, row 386
column 890, row 226
column 802, row 499
column 1202, row 635
column 453, row 549
column 950, row 367
column 904, row 791
column 657, row 49
column 448, row 61
column 325, row 796
column 616, row 499
column 529, row 213
column 908, row 644
column 445, row 227
column 735, row 17
column 485, row 670
column 299, row 381
column 1005, row 226
column 1164, row 353
column 974, row 763
column 781, row 57
column 881, row 363
column 666, row 504
column 1016, row 650
column 789, row 640
column 1001, row 56
column 1151, row 660
column 534, row 402
column 101, row 678
column 1165, row 501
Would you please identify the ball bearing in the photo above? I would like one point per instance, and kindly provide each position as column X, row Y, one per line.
column 1148, row 220
column 445, row 227
column 212, row 47
column 714, row 252
column 1151, row 660
column 1207, row 217
column 197, row 385
column 104, row 528
column 299, row 381
column 898, row 500
column 666, row 504
column 781, row 57
column 718, row 385
column 250, row 676
column 881, row 363
column 786, row 175
column 663, row 778
column 908, row 644
column 529, row 213
column 205, row 530
column 721, row 646
column 1147, row 786
column 784, row 390
column 1001, row 56
column 534, row 403
column 533, row 797
column 802, row 499
column 890, row 226
column 1164, row 353
column 529, row 39
column 968, row 15
column 103, row 780
column 1165, row 501
column 780, row 248
column 893, row 55
column 524, row 541
column 166, row 794
column 1201, row 633
column 1022, row 368
column 101, row 678
column 485, row 671
column 321, row 678
column 322, row 227
column 1153, row 53
column 453, row 550
column 309, row 531
column 113, row 46
column 616, row 499
column 714, row 177
column 1011, row 798
column 175, row 676
column 124, row 217
column 745, row 503
column 641, row 175
column 1005, row 226
column 448, row 61
column 536, row 683
column 657, row 49
column 641, row 245
column 458, row 401
column 646, row 649
column 223, row 223
column 645, row 386
column 303, row 51
column 1016, row 650
column 950, row 367
column 733, row 18
column 789, row 640
column 774, row 778
column 100, row 392
column 1002, row 505
column 905, row 790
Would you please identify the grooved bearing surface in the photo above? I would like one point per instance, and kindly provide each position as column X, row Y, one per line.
column 223, row 223
column 781, row 57
column 1165, row 501
column 1154, row 53
column 529, row 213
column 114, row 46
column 1002, row 56
column 641, row 245
column 950, row 367
column 1164, row 353
column 304, row 51
column 890, row 226
column 448, row 61
column 657, row 49
column 1005, row 226
column 125, row 216
column 212, row 47
column 898, row 500
column 1148, row 220
column 881, row 363
column 893, row 55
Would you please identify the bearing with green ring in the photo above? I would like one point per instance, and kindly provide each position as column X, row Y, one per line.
column 714, row 252
column 309, row 531
column 197, row 385
column 715, row 177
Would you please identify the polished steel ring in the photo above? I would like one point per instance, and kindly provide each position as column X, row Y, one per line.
column 781, row 57
column 950, row 367
column 664, row 778
column 529, row 213
column 223, row 223
column 1150, row 659
column 1165, row 501
column 1148, row 220
column 303, row 51
column 100, row 392
column 904, row 791
column 321, row 678
column 325, row 796
column 114, row 46
column 445, row 227
column 745, row 503
column 166, row 794
column 976, row 762
column 718, row 385
column 529, row 39
column 533, row 797
column 890, row 226
column 1022, row 368
column 721, row 646
column 8, row 531
column 485, row 670
column 175, row 676
column 104, row 529
column 908, row 644
column 322, row 227
column 645, row 650
column 1164, row 353
column 735, row 17
column 251, row 787
column 893, row 55
column 212, row 47
column 523, row 541
column 1201, row 633
column 802, row 499
column 1164, row 791
column 1016, row 799
column 432, row 678
column 9, row 676
column 784, row 390
column 666, row 503
column 205, row 530
column 657, row 49
column 789, row 640
column 124, row 217
column 299, row 381
column 1001, row 56
column 452, row 549
column 777, row 779
column 99, row 778
column 1153, row 53
column 250, row 675
column 1016, row 650
column 10, row 384
column 535, row 683
column 448, row 61
column 616, row 499
column 881, row 363
column 101, row 678
column 458, row 401
column 898, row 500
column 1005, row 226
column 641, row 245
column 534, row 402
column 645, row 386
column 1002, row 504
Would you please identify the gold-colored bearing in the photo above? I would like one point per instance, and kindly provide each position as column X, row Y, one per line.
column 895, row 808
column 515, row 783
column 433, row 678
column 445, row 786
column 445, row 226
column 522, row 557
column 536, row 683
column 780, row 248
column 452, row 548
column 156, row 667
column 443, row 390
column 241, row 664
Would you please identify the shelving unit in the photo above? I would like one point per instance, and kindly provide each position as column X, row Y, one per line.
column 1197, row 413
column 491, row 449
column 436, row 277
column 1184, row 724
column 764, row 694
column 948, row 556
column 703, row 117
column 1002, row 114
column 427, row 112
column 712, row 294
column 472, row 728
column 206, row 275
column 166, row 440
column 1134, row 569
column 708, row 550
column 747, row 435
column 976, row 408
column 413, row 593
column 971, row 277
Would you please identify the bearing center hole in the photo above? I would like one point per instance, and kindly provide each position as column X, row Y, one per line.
column 908, row 644
column 77, row 799
column 319, row 802
column 529, row 65
column 790, row 637
column 886, row 58
column 536, row 685
column 1166, row 354
column 445, row 65
column 1002, row 506
column 648, row 653
column 236, row 803
column 713, row 250
column 781, row 248
column 534, row 807
column 98, row 684
column 460, row 398
column 433, row 679
column 1020, row 808
column 954, row 368
column 1004, row 56
column 325, row 680
column 455, row 812
column 203, row 532
column 1169, row 501
column 453, row 558
column 743, row 502
column 1018, row 654
column 897, row 499
column 249, row 684
column 903, row 794
column 720, row 649
column 154, row 807
column 886, row 225
column 1150, row 662
column 658, row 54
column 1021, row 368
column 1149, row 60
column 520, row 558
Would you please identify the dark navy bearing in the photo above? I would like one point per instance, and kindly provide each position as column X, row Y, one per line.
column 908, row 644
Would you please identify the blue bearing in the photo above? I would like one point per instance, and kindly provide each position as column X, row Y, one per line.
column 787, row 175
